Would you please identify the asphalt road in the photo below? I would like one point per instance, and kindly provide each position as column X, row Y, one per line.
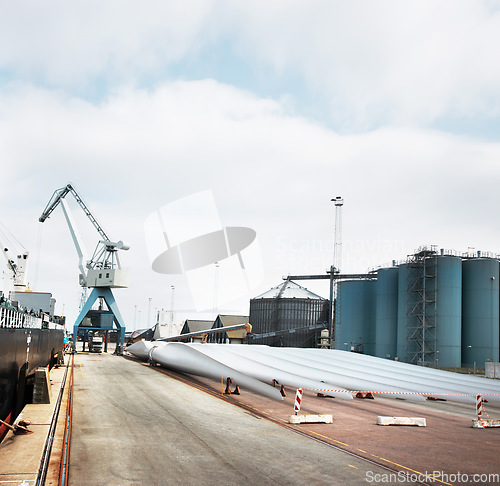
column 133, row 425
column 446, row 452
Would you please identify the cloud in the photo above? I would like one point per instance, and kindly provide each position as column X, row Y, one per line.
column 268, row 170
column 73, row 45
column 366, row 63
column 381, row 62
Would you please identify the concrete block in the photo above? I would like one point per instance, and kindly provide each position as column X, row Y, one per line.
column 485, row 423
column 310, row 419
column 418, row 421
column 492, row 370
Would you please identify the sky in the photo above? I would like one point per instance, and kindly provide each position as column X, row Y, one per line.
column 271, row 108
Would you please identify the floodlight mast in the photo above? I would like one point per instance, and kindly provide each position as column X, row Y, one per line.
column 337, row 238
column 334, row 314
column 103, row 271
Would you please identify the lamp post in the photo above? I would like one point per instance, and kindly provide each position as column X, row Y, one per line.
column 172, row 305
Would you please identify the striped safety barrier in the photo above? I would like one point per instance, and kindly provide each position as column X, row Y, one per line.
column 298, row 400
column 479, row 406
column 431, row 394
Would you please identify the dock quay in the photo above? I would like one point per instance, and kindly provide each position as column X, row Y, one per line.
column 136, row 424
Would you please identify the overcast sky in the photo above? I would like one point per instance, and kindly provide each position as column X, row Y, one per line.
column 274, row 107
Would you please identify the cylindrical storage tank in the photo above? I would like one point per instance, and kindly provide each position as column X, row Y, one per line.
column 288, row 307
column 355, row 316
column 480, row 311
column 402, row 311
column 449, row 312
column 386, row 313
column 261, row 311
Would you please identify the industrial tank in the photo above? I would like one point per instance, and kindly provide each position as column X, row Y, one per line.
column 355, row 316
column 288, row 315
column 402, row 308
column 448, row 311
column 480, row 311
column 429, row 310
column 386, row 315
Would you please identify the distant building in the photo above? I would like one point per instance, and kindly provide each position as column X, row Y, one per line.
column 165, row 329
column 193, row 325
column 36, row 301
column 233, row 337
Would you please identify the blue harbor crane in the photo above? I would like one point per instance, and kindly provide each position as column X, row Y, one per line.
column 102, row 272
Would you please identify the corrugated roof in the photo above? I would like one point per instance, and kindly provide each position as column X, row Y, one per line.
column 232, row 320
column 194, row 325
column 289, row 290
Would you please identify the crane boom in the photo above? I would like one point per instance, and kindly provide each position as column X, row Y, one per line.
column 103, row 269
column 59, row 195
column 77, row 240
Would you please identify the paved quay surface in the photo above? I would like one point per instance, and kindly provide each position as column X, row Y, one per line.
column 20, row 455
column 135, row 425
column 447, row 447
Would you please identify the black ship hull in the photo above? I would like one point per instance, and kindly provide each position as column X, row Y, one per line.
column 22, row 351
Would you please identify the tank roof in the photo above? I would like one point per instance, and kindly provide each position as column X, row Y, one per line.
column 289, row 290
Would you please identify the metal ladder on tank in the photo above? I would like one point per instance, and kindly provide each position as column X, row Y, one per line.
column 421, row 336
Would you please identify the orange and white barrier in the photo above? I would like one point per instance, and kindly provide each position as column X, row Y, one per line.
column 298, row 400
column 428, row 394
column 479, row 406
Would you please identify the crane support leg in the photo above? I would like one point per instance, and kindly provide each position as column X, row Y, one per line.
column 107, row 295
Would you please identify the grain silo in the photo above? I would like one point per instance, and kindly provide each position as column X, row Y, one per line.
column 355, row 316
column 288, row 315
column 480, row 311
column 386, row 313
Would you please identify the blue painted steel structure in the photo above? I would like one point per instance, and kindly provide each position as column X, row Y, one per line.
column 448, row 311
column 386, row 314
column 106, row 294
column 102, row 272
column 437, row 310
column 355, row 321
column 480, row 311
column 402, row 304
